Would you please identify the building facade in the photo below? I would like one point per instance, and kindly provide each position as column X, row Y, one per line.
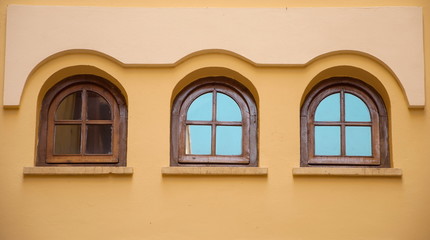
column 214, row 119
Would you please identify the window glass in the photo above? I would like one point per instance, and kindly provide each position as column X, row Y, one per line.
column 329, row 108
column 355, row 109
column 214, row 123
column 227, row 109
column 229, row 140
column 67, row 139
column 198, row 139
column 358, row 141
column 99, row 139
column 70, row 107
column 327, row 140
column 344, row 122
column 83, row 120
column 201, row 108
column 97, row 107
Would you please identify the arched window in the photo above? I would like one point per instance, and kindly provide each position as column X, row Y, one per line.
column 214, row 122
column 344, row 122
column 83, row 122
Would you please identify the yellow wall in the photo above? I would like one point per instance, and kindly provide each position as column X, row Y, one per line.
column 148, row 205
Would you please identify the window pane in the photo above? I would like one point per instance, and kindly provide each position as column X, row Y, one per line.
column 198, row 140
column 329, row 108
column 99, row 139
column 327, row 140
column 98, row 108
column 355, row 109
column 201, row 108
column 358, row 141
column 228, row 140
column 227, row 109
column 67, row 139
column 70, row 107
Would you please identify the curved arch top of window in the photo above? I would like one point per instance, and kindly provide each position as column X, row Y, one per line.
column 83, row 122
column 214, row 122
column 344, row 122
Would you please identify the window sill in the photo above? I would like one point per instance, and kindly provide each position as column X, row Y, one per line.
column 358, row 172
column 214, row 171
column 77, row 170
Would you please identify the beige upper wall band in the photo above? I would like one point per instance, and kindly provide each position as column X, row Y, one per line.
column 269, row 36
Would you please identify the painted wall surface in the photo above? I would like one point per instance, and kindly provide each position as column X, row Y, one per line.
column 165, row 36
column 149, row 205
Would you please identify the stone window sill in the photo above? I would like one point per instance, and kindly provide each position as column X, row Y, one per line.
column 214, row 171
column 358, row 172
column 77, row 170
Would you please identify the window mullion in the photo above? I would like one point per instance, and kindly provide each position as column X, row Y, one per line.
column 84, row 120
column 213, row 124
column 342, row 122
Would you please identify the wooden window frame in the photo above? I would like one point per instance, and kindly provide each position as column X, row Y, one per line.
column 50, row 103
column 246, row 103
column 379, row 125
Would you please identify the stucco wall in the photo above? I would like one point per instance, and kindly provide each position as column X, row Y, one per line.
column 148, row 205
column 264, row 36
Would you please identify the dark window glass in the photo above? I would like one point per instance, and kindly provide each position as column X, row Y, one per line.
column 83, row 121
column 70, row 107
column 99, row 139
column 98, row 108
column 67, row 139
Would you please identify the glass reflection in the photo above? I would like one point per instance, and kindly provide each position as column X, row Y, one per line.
column 70, row 107
column 327, row 140
column 99, row 139
column 229, row 140
column 201, row 108
column 227, row 109
column 358, row 141
column 97, row 107
column 355, row 109
column 67, row 139
column 198, row 139
column 329, row 108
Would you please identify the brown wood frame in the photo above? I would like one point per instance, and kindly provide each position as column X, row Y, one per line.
column 378, row 124
column 50, row 103
column 246, row 103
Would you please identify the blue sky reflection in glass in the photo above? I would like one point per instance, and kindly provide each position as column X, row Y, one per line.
column 227, row 109
column 199, row 139
column 358, row 141
column 228, row 140
column 329, row 108
column 355, row 109
column 201, row 108
column 327, row 140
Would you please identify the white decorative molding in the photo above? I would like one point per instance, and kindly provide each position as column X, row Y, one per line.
column 265, row 36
